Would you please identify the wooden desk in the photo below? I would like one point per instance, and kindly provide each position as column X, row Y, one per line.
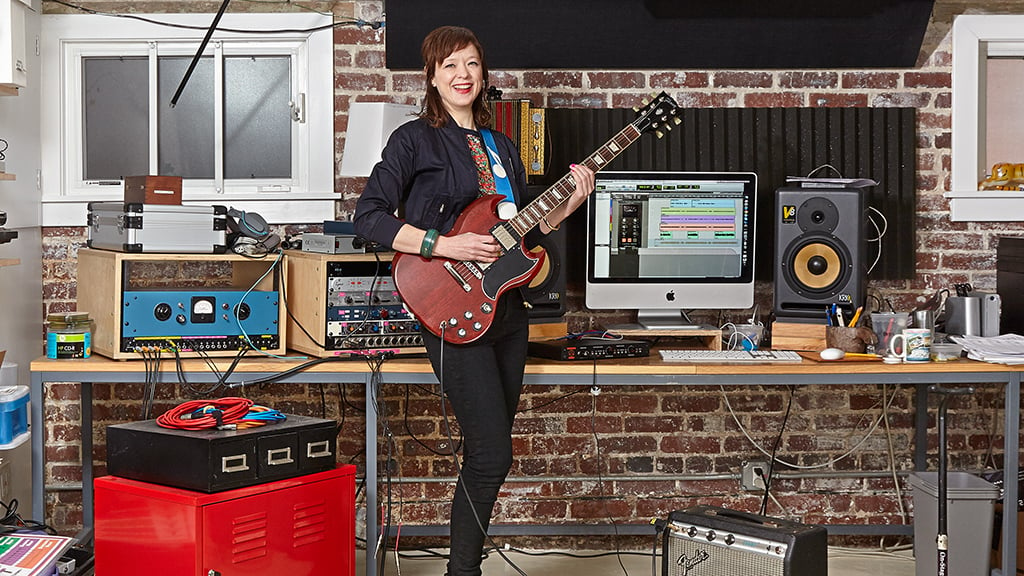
column 635, row 371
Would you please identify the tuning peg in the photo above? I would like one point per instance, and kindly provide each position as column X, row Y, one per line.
column 636, row 108
column 659, row 133
column 677, row 121
column 654, row 94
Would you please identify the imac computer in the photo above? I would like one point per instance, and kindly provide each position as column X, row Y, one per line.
column 664, row 242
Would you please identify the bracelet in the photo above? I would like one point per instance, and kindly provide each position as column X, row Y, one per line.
column 429, row 241
column 550, row 227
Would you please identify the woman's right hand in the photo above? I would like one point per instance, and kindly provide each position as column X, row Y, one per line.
column 468, row 246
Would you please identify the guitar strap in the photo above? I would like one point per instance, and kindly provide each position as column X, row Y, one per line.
column 501, row 182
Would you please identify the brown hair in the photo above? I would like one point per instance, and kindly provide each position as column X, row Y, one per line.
column 437, row 46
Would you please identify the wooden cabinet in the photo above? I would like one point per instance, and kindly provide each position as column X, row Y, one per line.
column 129, row 314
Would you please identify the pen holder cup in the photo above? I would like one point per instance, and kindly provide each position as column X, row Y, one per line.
column 849, row 339
column 886, row 325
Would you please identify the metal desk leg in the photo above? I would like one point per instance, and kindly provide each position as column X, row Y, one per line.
column 921, row 428
column 372, row 529
column 1011, row 461
column 38, row 457
column 86, row 433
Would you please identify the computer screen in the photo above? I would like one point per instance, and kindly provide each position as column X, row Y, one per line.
column 665, row 242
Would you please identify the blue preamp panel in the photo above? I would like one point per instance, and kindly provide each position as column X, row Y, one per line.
column 199, row 320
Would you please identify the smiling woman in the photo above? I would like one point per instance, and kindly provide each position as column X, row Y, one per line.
column 446, row 165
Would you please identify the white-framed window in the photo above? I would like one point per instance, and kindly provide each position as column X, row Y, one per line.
column 978, row 42
column 252, row 127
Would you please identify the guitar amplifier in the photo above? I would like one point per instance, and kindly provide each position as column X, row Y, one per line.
column 710, row 541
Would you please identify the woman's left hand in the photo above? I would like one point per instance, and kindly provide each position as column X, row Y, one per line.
column 584, row 178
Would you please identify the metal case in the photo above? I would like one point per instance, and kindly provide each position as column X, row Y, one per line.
column 216, row 460
column 130, row 227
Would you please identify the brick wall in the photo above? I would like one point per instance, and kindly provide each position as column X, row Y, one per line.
column 656, row 440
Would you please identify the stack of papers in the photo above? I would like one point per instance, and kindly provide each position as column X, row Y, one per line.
column 1003, row 349
column 31, row 554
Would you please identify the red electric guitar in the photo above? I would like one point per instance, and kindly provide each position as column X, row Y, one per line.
column 455, row 300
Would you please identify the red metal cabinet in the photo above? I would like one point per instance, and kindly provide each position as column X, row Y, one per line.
column 302, row 525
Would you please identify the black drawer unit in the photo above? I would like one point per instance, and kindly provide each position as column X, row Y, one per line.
column 216, row 460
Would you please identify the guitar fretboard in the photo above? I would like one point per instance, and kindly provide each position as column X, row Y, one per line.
column 558, row 193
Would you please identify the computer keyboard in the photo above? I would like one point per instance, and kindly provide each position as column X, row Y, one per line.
column 731, row 356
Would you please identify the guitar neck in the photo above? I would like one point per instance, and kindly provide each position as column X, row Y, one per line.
column 558, row 193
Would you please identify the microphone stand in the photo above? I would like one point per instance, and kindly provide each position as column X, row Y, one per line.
column 202, row 47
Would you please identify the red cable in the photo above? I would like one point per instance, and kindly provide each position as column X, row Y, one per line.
column 183, row 416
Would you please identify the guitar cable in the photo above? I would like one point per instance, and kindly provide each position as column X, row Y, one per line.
column 455, row 458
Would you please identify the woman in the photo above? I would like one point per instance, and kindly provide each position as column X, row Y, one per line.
column 435, row 167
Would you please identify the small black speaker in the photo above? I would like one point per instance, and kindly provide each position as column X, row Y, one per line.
column 712, row 541
column 546, row 292
column 819, row 251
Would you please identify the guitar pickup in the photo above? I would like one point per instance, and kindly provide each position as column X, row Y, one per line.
column 506, row 239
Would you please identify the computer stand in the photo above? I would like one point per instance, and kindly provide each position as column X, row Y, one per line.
column 696, row 338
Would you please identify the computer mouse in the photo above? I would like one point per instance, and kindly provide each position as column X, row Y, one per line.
column 832, row 354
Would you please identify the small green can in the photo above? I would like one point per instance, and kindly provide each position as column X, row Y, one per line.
column 69, row 335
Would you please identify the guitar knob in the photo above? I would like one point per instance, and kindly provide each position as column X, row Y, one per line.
column 477, row 326
column 462, row 332
column 453, row 321
column 467, row 315
column 486, row 308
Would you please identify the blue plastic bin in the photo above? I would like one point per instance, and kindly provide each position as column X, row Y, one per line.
column 13, row 413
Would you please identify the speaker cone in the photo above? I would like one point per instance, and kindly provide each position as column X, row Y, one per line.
column 816, row 265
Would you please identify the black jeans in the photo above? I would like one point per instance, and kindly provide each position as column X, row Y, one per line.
column 482, row 381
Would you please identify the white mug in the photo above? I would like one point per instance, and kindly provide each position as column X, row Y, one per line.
column 917, row 343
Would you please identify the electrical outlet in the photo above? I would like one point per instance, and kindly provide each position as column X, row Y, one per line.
column 752, row 474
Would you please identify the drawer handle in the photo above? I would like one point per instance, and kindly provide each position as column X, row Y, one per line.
column 237, row 463
column 279, row 456
column 318, row 449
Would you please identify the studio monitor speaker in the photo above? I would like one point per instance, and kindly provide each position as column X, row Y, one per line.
column 819, row 251
column 712, row 541
column 546, row 292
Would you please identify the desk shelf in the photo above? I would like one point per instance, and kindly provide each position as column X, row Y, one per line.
column 645, row 372
column 7, row 176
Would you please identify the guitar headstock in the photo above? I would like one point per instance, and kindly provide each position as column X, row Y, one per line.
column 658, row 114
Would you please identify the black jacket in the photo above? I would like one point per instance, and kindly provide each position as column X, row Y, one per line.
column 428, row 175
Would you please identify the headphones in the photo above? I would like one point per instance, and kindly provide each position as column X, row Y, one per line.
column 244, row 224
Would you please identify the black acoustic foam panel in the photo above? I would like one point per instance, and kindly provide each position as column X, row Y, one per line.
column 668, row 34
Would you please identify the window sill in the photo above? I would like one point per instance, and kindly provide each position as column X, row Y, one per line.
column 986, row 206
column 275, row 208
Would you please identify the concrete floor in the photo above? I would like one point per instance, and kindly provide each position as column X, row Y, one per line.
column 841, row 562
